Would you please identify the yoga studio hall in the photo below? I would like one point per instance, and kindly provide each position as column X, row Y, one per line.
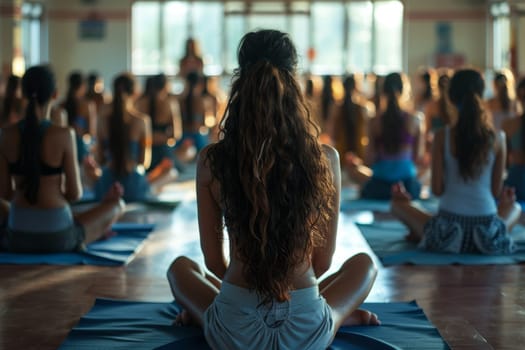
column 262, row 174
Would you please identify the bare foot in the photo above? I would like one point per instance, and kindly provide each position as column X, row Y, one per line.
column 508, row 209
column 413, row 237
column 115, row 192
column 361, row 317
column 184, row 319
column 399, row 193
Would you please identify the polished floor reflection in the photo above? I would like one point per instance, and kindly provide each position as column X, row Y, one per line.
column 474, row 307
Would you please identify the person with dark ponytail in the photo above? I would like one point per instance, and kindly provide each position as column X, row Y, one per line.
column 503, row 105
column 164, row 111
column 39, row 175
column 424, row 88
column 278, row 190
column 12, row 106
column 193, row 111
column 468, row 163
column 124, row 147
column 395, row 147
column 327, row 100
column 348, row 125
column 515, row 130
column 439, row 112
column 81, row 114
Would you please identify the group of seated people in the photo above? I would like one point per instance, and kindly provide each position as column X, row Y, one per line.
column 124, row 149
column 467, row 150
column 269, row 180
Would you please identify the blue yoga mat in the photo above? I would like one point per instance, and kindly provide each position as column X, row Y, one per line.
column 430, row 205
column 117, row 250
column 387, row 241
column 113, row 324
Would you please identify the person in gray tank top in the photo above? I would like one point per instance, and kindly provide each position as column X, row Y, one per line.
column 468, row 161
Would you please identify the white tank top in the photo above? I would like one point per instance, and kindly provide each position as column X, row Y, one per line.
column 468, row 198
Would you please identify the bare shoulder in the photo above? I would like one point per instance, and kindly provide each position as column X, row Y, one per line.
column 204, row 174
column 330, row 153
column 58, row 132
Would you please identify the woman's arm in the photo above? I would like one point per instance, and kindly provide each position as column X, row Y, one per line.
column 210, row 219
column 146, row 141
column 499, row 164
column 72, row 184
column 176, row 118
column 322, row 256
column 419, row 137
column 437, row 181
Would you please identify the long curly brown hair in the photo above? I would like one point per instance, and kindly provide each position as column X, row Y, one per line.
column 276, row 184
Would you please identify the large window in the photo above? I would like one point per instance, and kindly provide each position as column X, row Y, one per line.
column 331, row 37
column 501, row 35
column 31, row 32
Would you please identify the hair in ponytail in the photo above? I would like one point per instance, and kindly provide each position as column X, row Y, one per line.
column 444, row 106
column 10, row 98
column 350, row 115
column 38, row 86
column 392, row 122
column 474, row 134
column 502, row 88
column 123, row 85
column 275, row 181
column 192, row 79
column 70, row 105
column 156, row 84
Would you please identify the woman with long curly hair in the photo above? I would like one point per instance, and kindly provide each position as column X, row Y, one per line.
column 278, row 191
column 468, row 162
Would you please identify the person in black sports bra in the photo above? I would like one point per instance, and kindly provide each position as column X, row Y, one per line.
column 39, row 177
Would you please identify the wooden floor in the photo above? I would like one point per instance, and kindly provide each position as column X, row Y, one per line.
column 474, row 308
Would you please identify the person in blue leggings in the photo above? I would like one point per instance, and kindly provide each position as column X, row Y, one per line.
column 396, row 145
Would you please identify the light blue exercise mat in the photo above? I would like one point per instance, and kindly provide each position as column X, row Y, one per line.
column 117, row 250
column 113, row 324
column 387, row 240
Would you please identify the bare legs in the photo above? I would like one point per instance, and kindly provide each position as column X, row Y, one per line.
column 402, row 208
column 357, row 171
column 193, row 288
column 346, row 290
column 161, row 175
column 508, row 210
column 97, row 220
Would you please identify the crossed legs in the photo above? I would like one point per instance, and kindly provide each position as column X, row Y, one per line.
column 98, row 220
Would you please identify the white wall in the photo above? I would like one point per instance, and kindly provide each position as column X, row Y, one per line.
column 68, row 52
column 469, row 29
column 113, row 53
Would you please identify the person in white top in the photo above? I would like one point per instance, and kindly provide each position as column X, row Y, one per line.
column 468, row 160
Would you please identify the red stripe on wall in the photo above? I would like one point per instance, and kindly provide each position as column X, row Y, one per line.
column 74, row 15
column 477, row 15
